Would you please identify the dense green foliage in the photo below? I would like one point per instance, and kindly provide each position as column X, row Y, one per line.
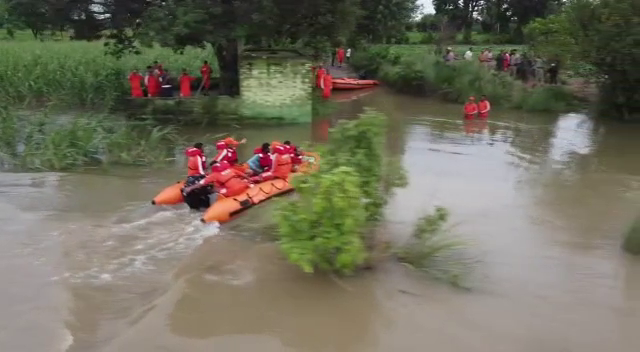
column 359, row 144
column 424, row 73
column 322, row 228
column 631, row 242
column 603, row 34
column 481, row 21
column 42, row 142
column 327, row 226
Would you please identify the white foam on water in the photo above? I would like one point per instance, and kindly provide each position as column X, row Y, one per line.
column 107, row 252
column 236, row 274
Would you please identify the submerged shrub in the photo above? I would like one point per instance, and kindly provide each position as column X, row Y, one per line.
column 322, row 228
column 431, row 249
column 360, row 144
column 328, row 225
column 42, row 142
column 425, row 73
column 631, row 242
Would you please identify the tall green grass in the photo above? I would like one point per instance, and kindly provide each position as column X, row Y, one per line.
column 434, row 251
column 424, row 73
column 39, row 141
column 78, row 74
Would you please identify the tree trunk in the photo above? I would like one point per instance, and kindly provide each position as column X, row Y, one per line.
column 228, row 63
column 35, row 33
column 466, row 36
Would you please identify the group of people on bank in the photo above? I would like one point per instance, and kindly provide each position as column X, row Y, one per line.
column 225, row 176
column 525, row 67
column 157, row 82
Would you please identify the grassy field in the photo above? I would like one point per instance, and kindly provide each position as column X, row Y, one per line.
column 78, row 74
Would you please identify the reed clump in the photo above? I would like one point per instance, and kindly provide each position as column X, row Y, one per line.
column 433, row 250
column 42, row 142
column 427, row 74
column 631, row 242
column 79, row 74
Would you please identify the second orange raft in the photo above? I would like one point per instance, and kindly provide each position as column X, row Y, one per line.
column 352, row 83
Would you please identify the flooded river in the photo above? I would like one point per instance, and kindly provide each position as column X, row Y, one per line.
column 86, row 264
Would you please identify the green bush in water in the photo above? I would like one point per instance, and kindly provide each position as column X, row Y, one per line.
column 431, row 248
column 322, row 228
column 631, row 242
column 327, row 226
column 424, row 73
column 360, row 144
column 41, row 142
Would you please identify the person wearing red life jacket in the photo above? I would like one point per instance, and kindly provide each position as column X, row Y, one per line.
column 320, row 73
column 226, row 181
column 484, row 107
column 227, row 150
column 281, row 164
column 470, row 109
column 340, row 56
column 185, row 83
column 154, row 85
column 296, row 156
column 206, row 71
column 196, row 161
column 261, row 160
column 196, row 165
column 327, row 85
column 136, row 79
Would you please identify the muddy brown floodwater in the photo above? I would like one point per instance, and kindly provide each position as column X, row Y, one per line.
column 86, row 264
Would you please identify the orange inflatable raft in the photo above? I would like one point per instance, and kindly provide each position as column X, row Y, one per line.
column 352, row 83
column 225, row 208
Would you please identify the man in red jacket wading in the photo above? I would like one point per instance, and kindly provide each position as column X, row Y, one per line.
column 470, row 109
column 484, row 107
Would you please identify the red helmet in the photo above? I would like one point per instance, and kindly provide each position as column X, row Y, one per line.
column 221, row 145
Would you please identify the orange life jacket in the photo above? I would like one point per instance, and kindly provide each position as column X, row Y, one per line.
column 196, row 162
column 282, row 165
column 229, row 180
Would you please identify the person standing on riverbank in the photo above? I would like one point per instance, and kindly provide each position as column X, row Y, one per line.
column 205, row 72
column 153, row 85
column 135, row 79
column 340, row 56
column 470, row 109
column 185, row 84
column 484, row 107
column 469, row 54
column 348, row 55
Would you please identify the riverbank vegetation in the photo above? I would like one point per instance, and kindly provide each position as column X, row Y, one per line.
column 331, row 225
column 40, row 142
column 425, row 73
column 73, row 74
column 603, row 34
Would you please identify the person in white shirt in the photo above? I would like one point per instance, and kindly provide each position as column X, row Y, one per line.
column 348, row 55
column 469, row 54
